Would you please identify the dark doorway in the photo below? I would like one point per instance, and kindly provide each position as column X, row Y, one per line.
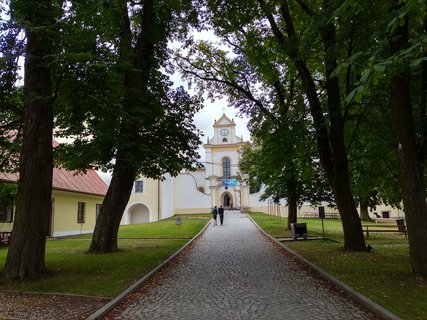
column 227, row 200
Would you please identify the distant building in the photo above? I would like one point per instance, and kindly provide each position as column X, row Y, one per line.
column 216, row 183
column 76, row 201
column 197, row 191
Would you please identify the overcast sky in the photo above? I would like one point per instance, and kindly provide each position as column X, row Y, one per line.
column 205, row 118
column 211, row 111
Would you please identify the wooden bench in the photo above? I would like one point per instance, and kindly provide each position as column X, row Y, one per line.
column 315, row 215
column 401, row 228
column 4, row 238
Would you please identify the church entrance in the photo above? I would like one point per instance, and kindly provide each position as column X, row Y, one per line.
column 226, row 200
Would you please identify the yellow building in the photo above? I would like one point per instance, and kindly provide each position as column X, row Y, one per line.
column 76, row 200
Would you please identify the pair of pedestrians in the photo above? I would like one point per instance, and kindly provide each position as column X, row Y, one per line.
column 218, row 211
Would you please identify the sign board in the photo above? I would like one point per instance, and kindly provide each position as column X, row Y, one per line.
column 178, row 221
column 229, row 182
column 321, row 212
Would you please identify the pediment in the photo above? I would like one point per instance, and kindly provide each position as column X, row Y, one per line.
column 224, row 121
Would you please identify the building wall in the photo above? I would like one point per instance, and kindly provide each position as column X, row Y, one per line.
column 219, row 154
column 187, row 198
column 167, row 190
column 143, row 206
column 6, row 226
column 308, row 211
column 198, row 191
column 381, row 210
column 64, row 216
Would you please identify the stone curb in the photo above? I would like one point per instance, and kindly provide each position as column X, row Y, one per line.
column 368, row 303
column 115, row 301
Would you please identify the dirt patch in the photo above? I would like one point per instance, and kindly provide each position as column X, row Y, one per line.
column 47, row 306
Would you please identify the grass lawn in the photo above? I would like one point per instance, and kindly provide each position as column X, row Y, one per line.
column 383, row 275
column 72, row 270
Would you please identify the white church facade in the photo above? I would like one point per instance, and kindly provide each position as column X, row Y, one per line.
column 218, row 182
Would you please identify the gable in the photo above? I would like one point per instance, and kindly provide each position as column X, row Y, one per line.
column 224, row 121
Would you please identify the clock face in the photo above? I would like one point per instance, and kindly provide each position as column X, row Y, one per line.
column 224, row 132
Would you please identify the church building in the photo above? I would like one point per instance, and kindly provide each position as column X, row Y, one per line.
column 218, row 182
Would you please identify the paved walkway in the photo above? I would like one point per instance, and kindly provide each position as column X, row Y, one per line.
column 235, row 272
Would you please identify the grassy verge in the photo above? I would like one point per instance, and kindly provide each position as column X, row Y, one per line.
column 383, row 275
column 71, row 270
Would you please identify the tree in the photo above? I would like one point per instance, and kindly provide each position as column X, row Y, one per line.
column 26, row 253
column 410, row 160
column 11, row 96
column 271, row 37
column 144, row 127
column 395, row 56
column 290, row 173
column 372, row 164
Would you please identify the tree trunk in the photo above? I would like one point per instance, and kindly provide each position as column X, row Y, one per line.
column 353, row 233
column 26, row 256
column 135, row 83
column 105, row 235
column 331, row 147
column 364, row 212
column 410, row 162
column 292, row 211
column 423, row 100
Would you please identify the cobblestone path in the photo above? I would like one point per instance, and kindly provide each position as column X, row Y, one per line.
column 235, row 272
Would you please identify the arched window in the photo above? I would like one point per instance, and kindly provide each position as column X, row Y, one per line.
column 226, row 171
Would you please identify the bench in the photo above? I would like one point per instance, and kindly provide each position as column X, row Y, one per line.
column 4, row 238
column 401, row 228
column 315, row 215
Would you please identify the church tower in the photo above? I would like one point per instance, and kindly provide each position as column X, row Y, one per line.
column 222, row 166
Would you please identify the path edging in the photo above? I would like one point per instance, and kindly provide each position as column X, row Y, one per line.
column 119, row 298
column 368, row 303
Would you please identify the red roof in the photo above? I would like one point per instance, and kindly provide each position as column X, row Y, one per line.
column 67, row 180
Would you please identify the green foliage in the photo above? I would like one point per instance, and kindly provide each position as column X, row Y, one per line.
column 95, row 102
column 254, row 74
column 370, row 141
column 379, row 20
column 11, row 96
column 8, row 192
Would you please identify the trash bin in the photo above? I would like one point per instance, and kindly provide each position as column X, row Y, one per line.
column 299, row 230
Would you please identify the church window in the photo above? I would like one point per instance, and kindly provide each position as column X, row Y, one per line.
column 224, row 140
column 226, row 170
column 139, row 186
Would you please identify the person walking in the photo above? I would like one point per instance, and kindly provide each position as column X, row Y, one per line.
column 221, row 214
column 214, row 215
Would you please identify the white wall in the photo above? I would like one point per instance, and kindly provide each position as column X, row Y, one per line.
column 167, row 197
column 187, row 195
column 254, row 199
